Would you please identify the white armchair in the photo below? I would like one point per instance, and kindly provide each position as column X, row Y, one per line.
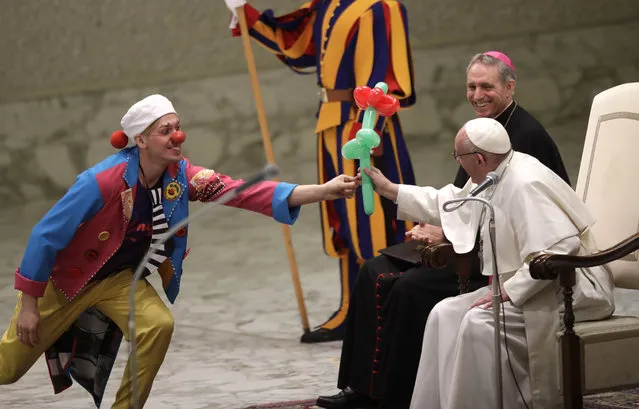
column 600, row 356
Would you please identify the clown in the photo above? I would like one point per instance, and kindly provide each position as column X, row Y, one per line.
column 75, row 277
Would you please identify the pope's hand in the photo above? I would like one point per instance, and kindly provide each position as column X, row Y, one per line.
column 382, row 185
column 232, row 6
column 342, row 186
column 486, row 301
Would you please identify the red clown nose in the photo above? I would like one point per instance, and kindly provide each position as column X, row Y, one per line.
column 178, row 137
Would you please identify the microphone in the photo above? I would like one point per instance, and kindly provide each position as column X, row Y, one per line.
column 269, row 172
column 491, row 179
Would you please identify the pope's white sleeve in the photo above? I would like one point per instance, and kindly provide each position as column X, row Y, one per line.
column 415, row 203
column 521, row 287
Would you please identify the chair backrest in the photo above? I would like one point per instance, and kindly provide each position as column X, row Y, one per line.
column 608, row 179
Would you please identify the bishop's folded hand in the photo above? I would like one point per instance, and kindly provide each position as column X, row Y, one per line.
column 426, row 233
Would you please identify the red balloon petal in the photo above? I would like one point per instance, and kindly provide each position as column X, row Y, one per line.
column 387, row 106
column 119, row 139
column 375, row 96
column 361, row 96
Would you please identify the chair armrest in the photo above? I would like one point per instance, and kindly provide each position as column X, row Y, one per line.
column 549, row 266
column 438, row 255
column 442, row 255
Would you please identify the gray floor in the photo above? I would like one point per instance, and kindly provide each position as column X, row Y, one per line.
column 237, row 325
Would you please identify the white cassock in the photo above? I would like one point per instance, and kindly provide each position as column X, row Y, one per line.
column 535, row 212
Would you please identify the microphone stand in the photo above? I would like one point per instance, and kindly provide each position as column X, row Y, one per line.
column 496, row 288
column 269, row 172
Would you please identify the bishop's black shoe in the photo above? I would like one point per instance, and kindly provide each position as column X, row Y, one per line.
column 346, row 399
column 322, row 335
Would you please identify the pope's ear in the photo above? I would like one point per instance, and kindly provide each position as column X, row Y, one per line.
column 482, row 159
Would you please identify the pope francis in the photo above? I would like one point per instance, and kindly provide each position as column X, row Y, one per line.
column 535, row 212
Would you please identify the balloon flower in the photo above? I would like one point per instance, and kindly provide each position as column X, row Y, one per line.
column 374, row 102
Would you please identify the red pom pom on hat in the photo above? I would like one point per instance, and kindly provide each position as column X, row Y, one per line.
column 119, row 139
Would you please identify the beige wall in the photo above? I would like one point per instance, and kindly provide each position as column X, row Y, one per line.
column 58, row 47
column 71, row 68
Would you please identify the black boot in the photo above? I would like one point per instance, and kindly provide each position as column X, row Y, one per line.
column 346, row 399
column 322, row 335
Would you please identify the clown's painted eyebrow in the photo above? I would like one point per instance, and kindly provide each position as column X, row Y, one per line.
column 168, row 124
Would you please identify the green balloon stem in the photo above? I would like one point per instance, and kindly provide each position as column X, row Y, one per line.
column 369, row 118
column 367, row 186
column 383, row 86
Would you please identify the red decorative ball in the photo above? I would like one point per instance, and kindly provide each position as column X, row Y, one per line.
column 119, row 139
column 178, row 137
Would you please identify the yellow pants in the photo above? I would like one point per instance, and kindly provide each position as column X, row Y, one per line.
column 153, row 320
